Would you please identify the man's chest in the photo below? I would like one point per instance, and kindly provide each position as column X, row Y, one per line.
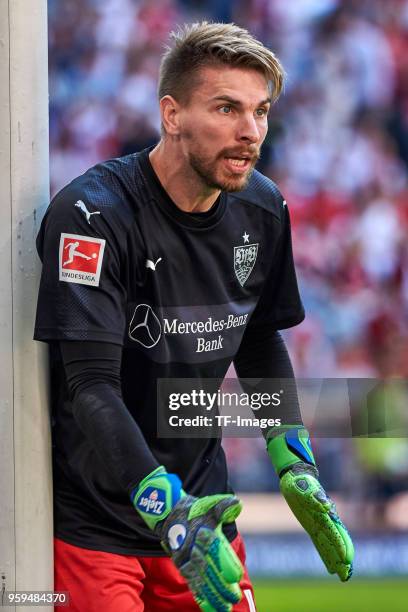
column 192, row 293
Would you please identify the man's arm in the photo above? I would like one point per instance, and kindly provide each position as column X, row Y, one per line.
column 93, row 376
column 189, row 528
column 263, row 356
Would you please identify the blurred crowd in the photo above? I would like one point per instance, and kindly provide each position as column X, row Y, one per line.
column 339, row 151
column 337, row 147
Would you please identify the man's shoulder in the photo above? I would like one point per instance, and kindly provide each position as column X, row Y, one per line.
column 117, row 173
column 113, row 185
column 118, row 176
column 263, row 192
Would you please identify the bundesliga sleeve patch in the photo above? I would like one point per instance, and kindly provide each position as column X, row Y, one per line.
column 80, row 259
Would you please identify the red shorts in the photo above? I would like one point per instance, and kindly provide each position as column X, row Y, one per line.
column 110, row 582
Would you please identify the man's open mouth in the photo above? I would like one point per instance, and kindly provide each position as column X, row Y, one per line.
column 238, row 161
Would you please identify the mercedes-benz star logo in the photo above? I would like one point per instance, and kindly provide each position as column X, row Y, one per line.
column 145, row 326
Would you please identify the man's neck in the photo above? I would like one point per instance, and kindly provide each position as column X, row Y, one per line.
column 180, row 181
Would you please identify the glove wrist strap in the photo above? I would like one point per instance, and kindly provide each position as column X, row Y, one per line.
column 156, row 495
column 292, row 445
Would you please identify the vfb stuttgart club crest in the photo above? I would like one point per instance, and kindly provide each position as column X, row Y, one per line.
column 244, row 261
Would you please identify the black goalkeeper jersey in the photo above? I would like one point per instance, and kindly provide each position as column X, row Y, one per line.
column 123, row 264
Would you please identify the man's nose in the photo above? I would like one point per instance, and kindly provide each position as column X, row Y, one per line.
column 248, row 129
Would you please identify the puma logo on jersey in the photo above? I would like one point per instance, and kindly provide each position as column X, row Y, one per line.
column 151, row 264
column 81, row 205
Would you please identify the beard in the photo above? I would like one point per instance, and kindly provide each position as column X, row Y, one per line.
column 208, row 171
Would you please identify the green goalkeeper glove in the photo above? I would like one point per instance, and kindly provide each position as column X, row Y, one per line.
column 190, row 530
column 292, row 457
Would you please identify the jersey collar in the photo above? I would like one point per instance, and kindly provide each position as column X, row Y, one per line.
column 204, row 220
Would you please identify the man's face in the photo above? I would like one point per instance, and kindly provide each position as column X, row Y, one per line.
column 222, row 127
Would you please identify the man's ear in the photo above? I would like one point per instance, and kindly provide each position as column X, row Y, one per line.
column 170, row 115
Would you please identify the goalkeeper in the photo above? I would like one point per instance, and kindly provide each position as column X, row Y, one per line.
column 182, row 264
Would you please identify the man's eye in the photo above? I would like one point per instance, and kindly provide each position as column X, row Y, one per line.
column 226, row 109
column 261, row 112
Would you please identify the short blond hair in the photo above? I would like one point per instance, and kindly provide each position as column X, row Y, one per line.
column 199, row 45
